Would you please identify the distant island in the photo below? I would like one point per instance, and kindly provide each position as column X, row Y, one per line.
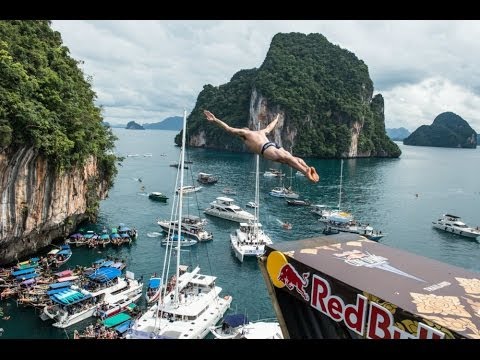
column 132, row 125
column 170, row 123
column 447, row 130
column 397, row 134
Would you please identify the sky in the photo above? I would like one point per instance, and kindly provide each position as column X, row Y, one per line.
column 148, row 70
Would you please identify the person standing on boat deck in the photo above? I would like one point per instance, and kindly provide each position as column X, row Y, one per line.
column 257, row 142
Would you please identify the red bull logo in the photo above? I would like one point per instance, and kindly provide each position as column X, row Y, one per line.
column 292, row 280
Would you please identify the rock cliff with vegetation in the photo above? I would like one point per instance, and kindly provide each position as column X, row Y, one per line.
column 323, row 93
column 447, row 130
column 132, row 125
column 56, row 162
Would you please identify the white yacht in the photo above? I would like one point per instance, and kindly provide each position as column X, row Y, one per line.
column 186, row 312
column 187, row 189
column 237, row 326
column 454, row 224
column 192, row 226
column 224, row 207
column 73, row 304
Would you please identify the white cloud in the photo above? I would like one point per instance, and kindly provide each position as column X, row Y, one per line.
column 418, row 104
column 149, row 70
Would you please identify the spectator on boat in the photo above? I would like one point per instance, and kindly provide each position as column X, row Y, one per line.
column 257, row 142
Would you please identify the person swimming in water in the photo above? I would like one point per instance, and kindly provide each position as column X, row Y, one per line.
column 257, row 142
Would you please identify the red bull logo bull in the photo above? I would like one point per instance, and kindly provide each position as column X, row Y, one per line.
column 292, row 280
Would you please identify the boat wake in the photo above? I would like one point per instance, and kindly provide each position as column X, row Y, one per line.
column 153, row 234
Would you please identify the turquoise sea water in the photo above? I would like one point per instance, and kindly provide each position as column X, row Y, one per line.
column 378, row 191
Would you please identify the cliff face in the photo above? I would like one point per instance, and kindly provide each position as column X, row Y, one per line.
column 38, row 205
column 323, row 93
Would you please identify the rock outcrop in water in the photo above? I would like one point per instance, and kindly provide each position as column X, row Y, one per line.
column 447, row 130
column 323, row 93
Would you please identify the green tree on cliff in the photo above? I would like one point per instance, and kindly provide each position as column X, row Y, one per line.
column 45, row 100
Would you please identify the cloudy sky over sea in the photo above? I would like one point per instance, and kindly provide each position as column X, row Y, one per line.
column 149, row 70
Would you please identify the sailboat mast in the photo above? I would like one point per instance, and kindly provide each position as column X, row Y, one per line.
column 341, row 180
column 180, row 202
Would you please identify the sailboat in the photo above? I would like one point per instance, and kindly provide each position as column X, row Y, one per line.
column 191, row 302
column 249, row 239
column 336, row 215
column 282, row 191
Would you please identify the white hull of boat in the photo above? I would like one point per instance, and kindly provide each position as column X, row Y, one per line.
column 239, row 217
column 261, row 329
column 192, row 319
column 467, row 232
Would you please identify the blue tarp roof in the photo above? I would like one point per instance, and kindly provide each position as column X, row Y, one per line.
column 27, row 276
column 55, row 291
column 104, row 274
column 69, row 297
column 235, row 320
column 123, row 327
column 60, row 285
column 155, row 283
column 24, row 271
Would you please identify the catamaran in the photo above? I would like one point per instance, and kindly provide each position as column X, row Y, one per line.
column 250, row 239
column 188, row 308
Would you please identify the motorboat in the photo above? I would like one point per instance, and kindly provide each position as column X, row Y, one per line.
column 224, row 207
column 283, row 192
column 157, row 196
column 187, row 189
column 192, row 226
column 207, row 179
column 454, row 224
column 296, row 202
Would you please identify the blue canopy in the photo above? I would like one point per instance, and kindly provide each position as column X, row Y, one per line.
column 60, row 285
column 24, row 271
column 122, row 328
column 34, row 259
column 155, row 283
column 64, row 252
column 104, row 274
column 69, row 297
column 105, row 237
column 235, row 320
column 124, row 228
column 124, row 235
column 114, row 236
column 26, row 277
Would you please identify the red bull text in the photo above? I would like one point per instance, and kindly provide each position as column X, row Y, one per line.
column 365, row 318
